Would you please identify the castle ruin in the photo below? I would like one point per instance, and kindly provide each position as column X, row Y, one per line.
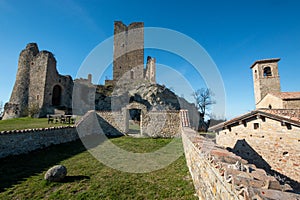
column 38, row 85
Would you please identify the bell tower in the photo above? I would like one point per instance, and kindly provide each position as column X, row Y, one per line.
column 265, row 78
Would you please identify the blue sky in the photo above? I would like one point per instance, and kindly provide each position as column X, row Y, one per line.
column 234, row 34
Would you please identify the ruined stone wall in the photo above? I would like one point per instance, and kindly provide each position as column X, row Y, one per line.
column 150, row 71
column 272, row 145
column 114, row 119
column 44, row 77
column 220, row 174
column 37, row 76
column 18, row 102
column 54, row 79
column 38, row 73
column 23, row 141
column 161, row 124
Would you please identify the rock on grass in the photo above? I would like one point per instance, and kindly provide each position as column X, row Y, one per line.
column 56, row 173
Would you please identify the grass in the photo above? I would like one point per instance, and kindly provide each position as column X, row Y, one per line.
column 134, row 127
column 21, row 177
column 26, row 123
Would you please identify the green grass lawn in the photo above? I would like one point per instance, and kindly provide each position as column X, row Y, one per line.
column 26, row 123
column 21, row 177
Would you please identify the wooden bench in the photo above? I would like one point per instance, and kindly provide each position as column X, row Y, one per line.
column 50, row 118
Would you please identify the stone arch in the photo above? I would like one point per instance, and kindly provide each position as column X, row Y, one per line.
column 56, row 95
column 135, row 105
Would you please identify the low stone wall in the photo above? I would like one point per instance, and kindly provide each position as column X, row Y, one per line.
column 115, row 119
column 220, row 174
column 153, row 123
column 93, row 123
column 23, row 141
column 161, row 124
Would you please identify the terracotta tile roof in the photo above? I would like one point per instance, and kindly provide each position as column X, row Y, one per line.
column 287, row 95
column 290, row 114
column 265, row 61
column 284, row 115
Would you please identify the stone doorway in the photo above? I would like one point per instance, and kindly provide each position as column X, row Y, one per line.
column 134, row 121
column 134, row 114
column 56, row 95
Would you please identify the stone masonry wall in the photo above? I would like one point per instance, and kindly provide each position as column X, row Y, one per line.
column 23, row 141
column 273, row 145
column 115, row 120
column 154, row 124
column 161, row 124
column 270, row 100
column 220, row 174
column 291, row 104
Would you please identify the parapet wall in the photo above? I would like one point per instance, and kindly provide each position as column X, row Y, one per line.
column 220, row 174
column 23, row 141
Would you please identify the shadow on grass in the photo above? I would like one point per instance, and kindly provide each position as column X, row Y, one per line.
column 14, row 169
column 69, row 179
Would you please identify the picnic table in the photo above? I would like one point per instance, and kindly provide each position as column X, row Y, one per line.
column 61, row 119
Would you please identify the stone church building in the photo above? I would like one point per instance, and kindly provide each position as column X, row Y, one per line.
column 267, row 88
column 269, row 136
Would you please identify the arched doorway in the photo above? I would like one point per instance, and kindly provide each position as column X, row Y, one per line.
column 56, row 95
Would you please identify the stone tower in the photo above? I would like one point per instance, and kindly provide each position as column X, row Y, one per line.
column 128, row 51
column 19, row 97
column 38, row 85
column 265, row 78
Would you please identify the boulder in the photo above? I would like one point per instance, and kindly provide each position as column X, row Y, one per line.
column 56, row 173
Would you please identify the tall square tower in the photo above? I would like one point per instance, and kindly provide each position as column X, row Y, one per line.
column 265, row 78
column 128, row 51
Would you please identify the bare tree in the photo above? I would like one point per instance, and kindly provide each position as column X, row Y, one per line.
column 203, row 99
